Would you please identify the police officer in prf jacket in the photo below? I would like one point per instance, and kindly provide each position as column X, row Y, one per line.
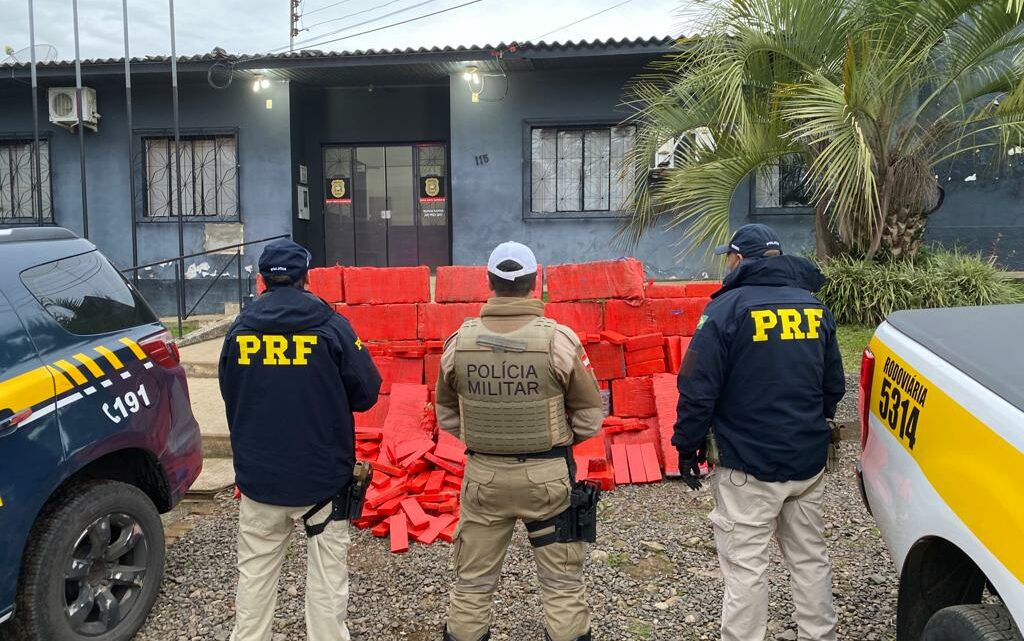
column 764, row 373
column 515, row 387
column 292, row 371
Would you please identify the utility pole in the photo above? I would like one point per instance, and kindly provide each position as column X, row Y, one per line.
column 293, row 23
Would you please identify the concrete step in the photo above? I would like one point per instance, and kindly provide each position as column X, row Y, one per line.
column 208, row 408
column 200, row 360
column 218, row 474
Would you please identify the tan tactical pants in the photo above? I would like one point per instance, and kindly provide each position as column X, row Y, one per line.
column 747, row 513
column 263, row 533
column 496, row 492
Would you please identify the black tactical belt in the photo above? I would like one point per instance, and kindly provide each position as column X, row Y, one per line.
column 562, row 451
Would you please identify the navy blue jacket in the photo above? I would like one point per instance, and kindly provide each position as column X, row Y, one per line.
column 292, row 371
column 763, row 370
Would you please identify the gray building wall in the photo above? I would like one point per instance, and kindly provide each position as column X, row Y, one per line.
column 263, row 180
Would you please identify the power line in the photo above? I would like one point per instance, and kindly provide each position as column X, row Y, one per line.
column 334, row 4
column 373, row 8
column 573, row 24
column 370, row 21
column 387, row 26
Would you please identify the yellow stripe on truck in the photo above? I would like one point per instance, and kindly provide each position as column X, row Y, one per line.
column 973, row 469
column 110, row 356
column 132, row 345
column 27, row 390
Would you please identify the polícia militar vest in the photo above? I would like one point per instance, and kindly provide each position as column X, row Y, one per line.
column 509, row 399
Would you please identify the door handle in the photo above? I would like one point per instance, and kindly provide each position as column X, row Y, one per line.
column 15, row 419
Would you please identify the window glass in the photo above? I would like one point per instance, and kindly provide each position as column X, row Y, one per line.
column 209, row 170
column 18, row 190
column 780, row 185
column 86, row 295
column 580, row 169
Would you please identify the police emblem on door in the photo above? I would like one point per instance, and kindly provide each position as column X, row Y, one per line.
column 338, row 191
column 431, row 188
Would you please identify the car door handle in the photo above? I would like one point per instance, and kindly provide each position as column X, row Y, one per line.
column 15, row 419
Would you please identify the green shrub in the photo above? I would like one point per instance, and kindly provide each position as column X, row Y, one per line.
column 865, row 292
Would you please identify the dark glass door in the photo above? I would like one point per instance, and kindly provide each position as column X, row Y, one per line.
column 386, row 205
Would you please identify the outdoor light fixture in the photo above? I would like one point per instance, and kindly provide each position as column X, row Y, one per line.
column 475, row 81
column 260, row 83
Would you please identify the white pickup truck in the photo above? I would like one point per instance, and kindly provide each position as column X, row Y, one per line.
column 942, row 468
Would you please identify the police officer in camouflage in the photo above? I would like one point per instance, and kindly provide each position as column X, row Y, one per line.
column 515, row 387
column 763, row 371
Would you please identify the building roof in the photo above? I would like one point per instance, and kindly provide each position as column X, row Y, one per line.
column 510, row 50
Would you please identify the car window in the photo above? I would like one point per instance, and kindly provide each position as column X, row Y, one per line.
column 86, row 295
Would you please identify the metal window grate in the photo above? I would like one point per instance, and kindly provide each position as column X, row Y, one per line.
column 19, row 202
column 209, row 177
column 580, row 169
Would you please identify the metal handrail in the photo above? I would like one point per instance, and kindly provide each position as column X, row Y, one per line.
column 216, row 250
column 236, row 257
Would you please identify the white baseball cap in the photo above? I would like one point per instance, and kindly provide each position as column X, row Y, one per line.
column 517, row 253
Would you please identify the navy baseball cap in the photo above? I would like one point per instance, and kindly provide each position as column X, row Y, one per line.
column 284, row 257
column 751, row 241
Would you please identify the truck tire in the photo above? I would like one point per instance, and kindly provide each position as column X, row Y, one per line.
column 971, row 623
column 92, row 567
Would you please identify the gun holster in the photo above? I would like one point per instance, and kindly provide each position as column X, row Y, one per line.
column 579, row 521
column 345, row 505
column 836, row 437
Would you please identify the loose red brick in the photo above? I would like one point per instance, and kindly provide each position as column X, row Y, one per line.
column 399, row 533
column 649, row 354
column 614, row 338
column 435, row 482
column 327, row 283
column 580, row 317
column 447, row 466
column 666, row 398
column 381, row 322
column 633, row 397
column 384, row 285
column 393, row 491
column 448, row 533
column 647, row 368
column 606, row 360
column 637, row 470
column 414, row 513
column 439, row 321
column 381, row 529
column 652, row 466
column 669, row 316
column 646, row 341
column 620, row 464
column 623, row 278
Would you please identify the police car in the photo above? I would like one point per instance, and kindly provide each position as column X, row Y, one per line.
column 942, row 468
column 97, row 438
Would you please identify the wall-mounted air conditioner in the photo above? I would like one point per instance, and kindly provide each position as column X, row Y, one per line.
column 64, row 108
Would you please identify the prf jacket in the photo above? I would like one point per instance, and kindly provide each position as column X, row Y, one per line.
column 764, row 371
column 292, row 371
column 566, row 371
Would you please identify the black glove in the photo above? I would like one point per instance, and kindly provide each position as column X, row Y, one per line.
column 689, row 467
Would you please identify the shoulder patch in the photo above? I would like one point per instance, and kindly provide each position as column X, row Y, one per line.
column 568, row 333
column 700, row 323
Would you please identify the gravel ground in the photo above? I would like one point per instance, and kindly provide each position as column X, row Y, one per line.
column 652, row 575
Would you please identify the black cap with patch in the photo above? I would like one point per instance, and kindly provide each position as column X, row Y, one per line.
column 752, row 241
column 284, row 257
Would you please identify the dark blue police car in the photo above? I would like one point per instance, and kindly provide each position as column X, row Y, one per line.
column 97, row 438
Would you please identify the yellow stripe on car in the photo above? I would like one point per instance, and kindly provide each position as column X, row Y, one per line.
column 61, row 383
column 28, row 389
column 72, row 371
column 90, row 365
column 937, row 432
column 141, row 355
column 110, row 356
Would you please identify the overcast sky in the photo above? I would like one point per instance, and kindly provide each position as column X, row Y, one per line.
column 251, row 26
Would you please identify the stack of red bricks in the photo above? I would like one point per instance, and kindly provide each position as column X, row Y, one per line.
column 635, row 334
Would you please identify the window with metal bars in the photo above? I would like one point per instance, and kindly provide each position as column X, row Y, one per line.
column 580, row 171
column 781, row 187
column 209, row 177
column 20, row 197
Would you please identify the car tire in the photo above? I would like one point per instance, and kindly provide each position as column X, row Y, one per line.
column 971, row 623
column 75, row 583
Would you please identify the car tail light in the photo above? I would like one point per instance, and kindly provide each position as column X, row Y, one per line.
column 161, row 348
column 867, row 374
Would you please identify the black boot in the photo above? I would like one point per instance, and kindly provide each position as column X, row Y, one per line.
column 585, row 637
column 487, row 636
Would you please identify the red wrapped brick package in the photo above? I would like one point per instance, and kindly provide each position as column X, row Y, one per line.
column 327, row 283
column 582, row 318
column 623, row 278
column 381, row 322
column 438, row 322
column 633, row 397
column 383, row 285
column 469, row 284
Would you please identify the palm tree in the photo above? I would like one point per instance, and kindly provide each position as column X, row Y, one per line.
column 871, row 96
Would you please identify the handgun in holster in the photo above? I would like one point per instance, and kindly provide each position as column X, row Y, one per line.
column 836, row 436
column 713, row 455
column 346, row 504
column 579, row 521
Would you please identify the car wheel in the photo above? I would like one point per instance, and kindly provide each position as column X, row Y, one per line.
column 971, row 623
column 92, row 566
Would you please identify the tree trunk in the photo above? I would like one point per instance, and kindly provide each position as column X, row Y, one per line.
column 825, row 243
column 903, row 233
